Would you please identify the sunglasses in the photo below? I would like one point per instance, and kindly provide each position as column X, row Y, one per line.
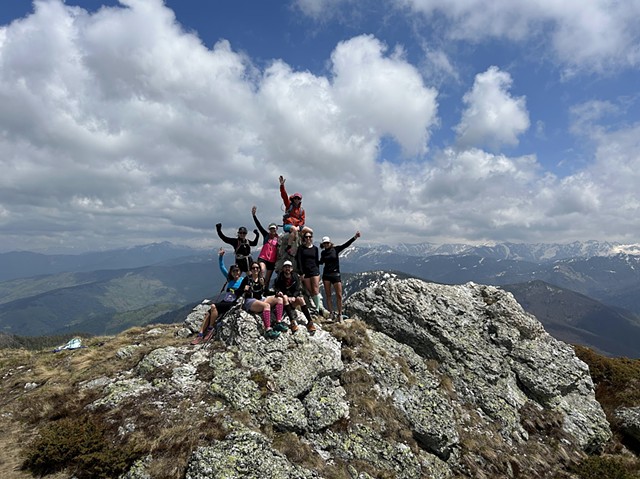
column 242, row 232
column 256, row 268
column 308, row 236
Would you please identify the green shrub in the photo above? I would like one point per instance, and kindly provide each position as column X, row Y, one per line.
column 80, row 444
column 617, row 380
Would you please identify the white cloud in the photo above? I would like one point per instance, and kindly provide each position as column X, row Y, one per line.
column 584, row 34
column 492, row 117
column 123, row 126
column 591, row 35
column 120, row 128
column 439, row 67
column 372, row 87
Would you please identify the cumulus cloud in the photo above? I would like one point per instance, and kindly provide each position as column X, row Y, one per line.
column 120, row 127
column 590, row 35
column 585, row 34
column 370, row 87
column 492, row 117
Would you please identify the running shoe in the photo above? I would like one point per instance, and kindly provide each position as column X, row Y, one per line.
column 271, row 334
column 281, row 327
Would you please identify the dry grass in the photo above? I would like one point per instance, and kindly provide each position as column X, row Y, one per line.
column 297, row 451
column 34, row 420
column 378, row 412
column 354, row 338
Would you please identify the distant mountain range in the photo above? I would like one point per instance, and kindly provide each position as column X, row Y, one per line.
column 578, row 319
column 105, row 301
column 586, row 293
column 24, row 264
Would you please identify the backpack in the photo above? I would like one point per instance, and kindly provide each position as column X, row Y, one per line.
column 243, row 249
column 287, row 214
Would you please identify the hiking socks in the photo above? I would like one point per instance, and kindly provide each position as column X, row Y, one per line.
column 279, row 309
column 305, row 311
column 266, row 318
column 318, row 300
column 289, row 310
column 314, row 300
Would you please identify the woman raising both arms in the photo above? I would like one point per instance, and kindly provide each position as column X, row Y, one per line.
column 331, row 272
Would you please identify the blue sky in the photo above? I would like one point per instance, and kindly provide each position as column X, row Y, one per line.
column 410, row 120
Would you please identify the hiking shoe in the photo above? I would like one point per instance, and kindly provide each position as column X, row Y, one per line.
column 198, row 339
column 281, row 327
column 325, row 314
column 311, row 328
column 294, row 326
column 271, row 334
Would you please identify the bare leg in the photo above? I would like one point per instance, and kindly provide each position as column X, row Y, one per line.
column 263, row 268
column 327, row 290
column 266, row 273
column 209, row 319
column 338, row 287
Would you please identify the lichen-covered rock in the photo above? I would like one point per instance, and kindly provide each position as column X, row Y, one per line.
column 325, row 404
column 193, row 321
column 363, row 443
column 233, row 384
column 286, row 412
column 498, row 356
column 117, row 391
column 404, row 376
column 438, row 382
column 161, row 358
column 243, row 455
column 629, row 419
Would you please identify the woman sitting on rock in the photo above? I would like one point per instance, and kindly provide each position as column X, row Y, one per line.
column 287, row 287
column 254, row 287
column 225, row 303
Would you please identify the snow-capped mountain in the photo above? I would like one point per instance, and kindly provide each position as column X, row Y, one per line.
column 533, row 252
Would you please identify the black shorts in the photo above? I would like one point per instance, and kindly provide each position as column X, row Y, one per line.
column 311, row 273
column 244, row 263
column 269, row 264
column 223, row 306
column 332, row 279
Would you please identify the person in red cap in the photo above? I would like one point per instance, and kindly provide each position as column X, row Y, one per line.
column 294, row 217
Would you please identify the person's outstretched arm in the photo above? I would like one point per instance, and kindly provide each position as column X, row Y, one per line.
column 264, row 232
column 226, row 239
column 348, row 243
column 223, row 268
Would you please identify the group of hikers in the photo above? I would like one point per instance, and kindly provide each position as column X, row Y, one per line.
column 295, row 260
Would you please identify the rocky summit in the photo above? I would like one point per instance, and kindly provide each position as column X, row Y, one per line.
column 424, row 381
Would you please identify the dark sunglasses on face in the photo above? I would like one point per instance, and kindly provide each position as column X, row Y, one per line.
column 308, row 236
column 256, row 268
